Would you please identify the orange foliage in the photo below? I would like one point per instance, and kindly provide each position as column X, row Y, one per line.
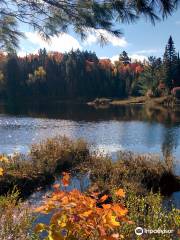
column 65, row 179
column 79, row 216
column 58, row 57
column 106, row 64
column 132, row 67
column 120, row 193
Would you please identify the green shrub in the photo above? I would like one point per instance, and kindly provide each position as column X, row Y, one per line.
column 148, row 212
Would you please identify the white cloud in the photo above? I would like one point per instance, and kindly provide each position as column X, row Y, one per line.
column 147, row 51
column 95, row 35
column 104, row 57
column 22, row 53
column 61, row 43
column 114, row 58
column 138, row 57
column 133, row 57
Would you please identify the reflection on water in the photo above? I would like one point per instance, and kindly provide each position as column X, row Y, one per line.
column 134, row 128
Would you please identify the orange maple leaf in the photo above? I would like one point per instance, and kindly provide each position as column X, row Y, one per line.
column 120, row 193
column 103, row 198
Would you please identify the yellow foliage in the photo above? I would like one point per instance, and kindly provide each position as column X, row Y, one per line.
column 110, row 220
column 81, row 216
column 1, row 172
column 4, row 159
column 40, row 227
column 40, row 72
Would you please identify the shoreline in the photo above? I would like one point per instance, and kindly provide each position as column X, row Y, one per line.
column 166, row 101
column 53, row 156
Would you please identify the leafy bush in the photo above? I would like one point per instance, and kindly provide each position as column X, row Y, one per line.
column 15, row 218
column 79, row 216
column 58, row 153
column 94, row 216
column 148, row 212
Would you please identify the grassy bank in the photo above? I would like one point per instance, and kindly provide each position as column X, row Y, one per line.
column 40, row 167
column 141, row 173
column 53, row 156
column 167, row 101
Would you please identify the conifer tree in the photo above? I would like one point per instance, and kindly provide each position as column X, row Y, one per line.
column 123, row 57
column 170, row 61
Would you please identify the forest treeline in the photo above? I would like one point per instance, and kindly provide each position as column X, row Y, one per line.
column 81, row 75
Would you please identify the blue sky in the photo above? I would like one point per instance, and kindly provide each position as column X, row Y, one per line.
column 140, row 40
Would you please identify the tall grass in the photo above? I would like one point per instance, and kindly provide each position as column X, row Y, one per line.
column 15, row 218
column 131, row 171
column 52, row 156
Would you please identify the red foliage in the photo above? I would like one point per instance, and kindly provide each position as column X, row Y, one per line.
column 58, row 57
column 132, row 67
column 89, row 65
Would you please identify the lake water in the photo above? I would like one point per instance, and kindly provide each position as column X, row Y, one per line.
column 133, row 128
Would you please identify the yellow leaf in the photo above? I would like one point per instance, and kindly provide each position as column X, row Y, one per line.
column 86, row 214
column 63, row 221
column 4, row 159
column 40, row 228
column 53, row 235
column 1, row 172
column 111, row 220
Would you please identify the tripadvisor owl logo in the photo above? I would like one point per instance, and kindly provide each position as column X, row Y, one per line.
column 139, row 231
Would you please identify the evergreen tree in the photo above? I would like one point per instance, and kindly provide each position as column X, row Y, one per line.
column 13, row 78
column 170, row 61
column 123, row 57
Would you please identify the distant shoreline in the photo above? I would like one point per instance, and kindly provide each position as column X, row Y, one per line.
column 167, row 101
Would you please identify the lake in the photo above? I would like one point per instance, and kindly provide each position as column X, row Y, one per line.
column 132, row 128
